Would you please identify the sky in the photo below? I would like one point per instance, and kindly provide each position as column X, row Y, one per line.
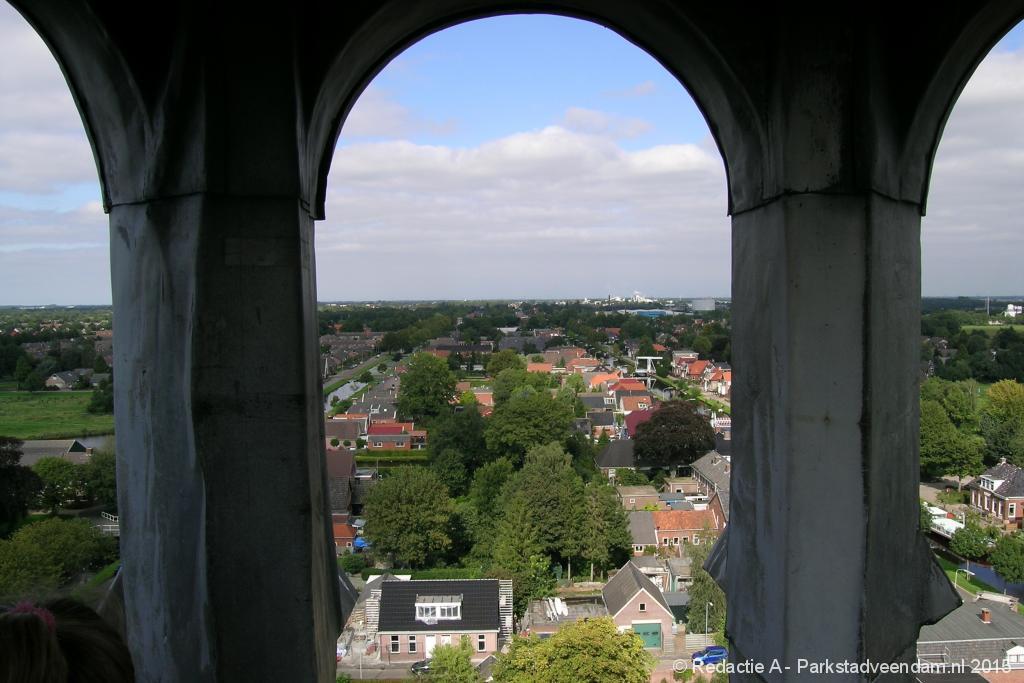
column 515, row 157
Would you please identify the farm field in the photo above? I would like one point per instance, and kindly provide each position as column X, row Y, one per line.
column 50, row 415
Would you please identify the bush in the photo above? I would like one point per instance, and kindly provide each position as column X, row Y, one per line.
column 352, row 563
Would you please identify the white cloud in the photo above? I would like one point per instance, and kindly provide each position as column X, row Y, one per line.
column 377, row 114
column 639, row 90
column 973, row 236
column 542, row 213
column 602, row 123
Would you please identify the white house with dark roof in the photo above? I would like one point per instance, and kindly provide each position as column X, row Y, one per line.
column 999, row 492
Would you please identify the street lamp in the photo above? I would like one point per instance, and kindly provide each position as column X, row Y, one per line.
column 706, row 610
column 956, row 575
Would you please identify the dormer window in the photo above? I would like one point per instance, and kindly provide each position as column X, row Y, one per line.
column 431, row 608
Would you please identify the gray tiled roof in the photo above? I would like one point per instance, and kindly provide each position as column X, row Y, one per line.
column 1012, row 477
column 601, row 418
column 618, row 453
column 964, row 623
column 641, row 528
column 480, row 605
column 713, row 467
column 621, row 588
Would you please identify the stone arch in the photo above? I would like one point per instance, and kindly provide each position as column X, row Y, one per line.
column 102, row 85
column 693, row 61
column 965, row 52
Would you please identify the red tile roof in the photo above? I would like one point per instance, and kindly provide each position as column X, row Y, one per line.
column 696, row 368
column 628, row 385
column 631, row 403
column 671, row 520
column 392, row 428
column 635, row 419
column 539, row 367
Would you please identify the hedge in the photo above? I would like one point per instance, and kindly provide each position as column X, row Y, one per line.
column 445, row 573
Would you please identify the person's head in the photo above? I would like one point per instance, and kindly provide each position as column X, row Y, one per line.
column 59, row 641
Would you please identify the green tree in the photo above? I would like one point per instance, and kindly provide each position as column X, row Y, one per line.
column 587, row 651
column 675, row 436
column 1008, row 558
column 102, row 400
column 525, row 421
column 408, row 516
column 26, row 571
column 365, row 377
column 514, row 381
column 970, row 542
column 485, row 490
column 19, row 485
column 428, row 387
column 1002, row 422
column 925, row 521
column 34, row 381
column 503, row 360
column 61, row 482
column 704, row 590
column 72, row 545
column 100, row 366
column 630, row 477
column 462, row 431
column 22, row 368
column 383, row 367
column 550, row 489
column 453, row 663
column 939, row 439
column 449, row 466
column 101, row 479
column 605, row 538
column 518, row 554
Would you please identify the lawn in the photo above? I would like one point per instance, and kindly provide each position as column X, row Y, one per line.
column 969, row 583
column 8, row 385
column 50, row 415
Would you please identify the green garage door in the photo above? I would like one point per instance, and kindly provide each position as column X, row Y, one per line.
column 649, row 633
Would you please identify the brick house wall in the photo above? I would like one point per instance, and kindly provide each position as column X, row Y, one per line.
column 490, row 644
column 653, row 612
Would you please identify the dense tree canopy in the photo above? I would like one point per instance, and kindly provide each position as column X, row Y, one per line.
column 704, row 590
column 1002, row 422
column 61, row 482
column 504, row 360
column 19, row 485
column 453, row 663
column 428, row 387
column 587, row 651
column 408, row 516
column 525, row 421
column 1008, row 558
column 675, row 436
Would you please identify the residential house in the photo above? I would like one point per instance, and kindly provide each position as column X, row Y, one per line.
column 684, row 485
column 617, row 455
column 597, row 380
column 341, row 471
column 985, row 629
column 396, row 436
column 635, row 603
column 627, row 384
column 682, row 358
column 545, row 368
column 377, row 412
column 601, row 422
column 999, row 492
column 344, row 430
column 344, row 533
column 580, row 365
column 677, row 528
column 596, row 401
column 711, row 472
column 65, row 381
column 416, row 616
column 643, row 537
column 637, row 497
column 632, row 393
column 694, row 370
column 635, row 418
column 562, row 355
column 654, row 569
column 717, row 379
column 630, row 404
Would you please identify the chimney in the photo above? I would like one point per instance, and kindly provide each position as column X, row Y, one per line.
column 1002, row 461
column 986, row 615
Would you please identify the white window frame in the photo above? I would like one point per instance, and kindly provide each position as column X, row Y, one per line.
column 412, row 645
column 1011, row 510
column 642, row 607
column 426, row 611
column 396, row 645
column 378, row 444
column 450, row 612
column 481, row 643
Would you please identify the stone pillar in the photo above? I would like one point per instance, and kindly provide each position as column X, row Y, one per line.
column 823, row 559
column 226, row 554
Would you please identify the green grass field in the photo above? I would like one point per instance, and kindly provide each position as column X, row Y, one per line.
column 992, row 329
column 50, row 415
column 8, row 385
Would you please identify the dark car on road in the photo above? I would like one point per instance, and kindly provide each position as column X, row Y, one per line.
column 421, row 668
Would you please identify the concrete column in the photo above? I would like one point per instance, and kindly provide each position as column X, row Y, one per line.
column 825, row 560
column 226, row 551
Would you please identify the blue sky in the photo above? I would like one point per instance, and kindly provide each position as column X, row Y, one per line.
column 521, row 156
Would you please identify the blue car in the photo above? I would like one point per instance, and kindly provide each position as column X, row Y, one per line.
column 710, row 655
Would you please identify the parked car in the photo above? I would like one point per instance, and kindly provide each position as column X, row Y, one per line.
column 421, row 668
column 710, row 655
